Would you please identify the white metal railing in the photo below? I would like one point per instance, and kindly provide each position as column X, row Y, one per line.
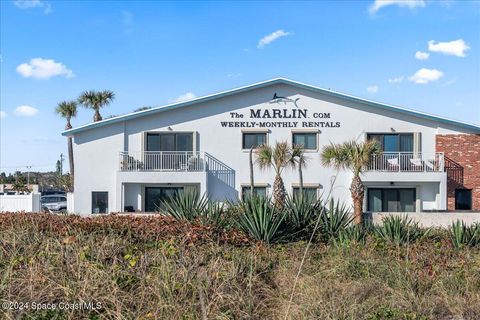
column 407, row 162
column 162, row 161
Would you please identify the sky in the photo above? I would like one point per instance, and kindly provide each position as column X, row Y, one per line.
column 417, row 54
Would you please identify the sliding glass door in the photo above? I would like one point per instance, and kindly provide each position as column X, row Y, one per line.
column 155, row 195
column 391, row 199
column 168, row 150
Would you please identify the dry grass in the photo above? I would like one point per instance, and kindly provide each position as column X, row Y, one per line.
column 141, row 268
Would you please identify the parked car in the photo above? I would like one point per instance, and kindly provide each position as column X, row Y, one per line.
column 54, row 203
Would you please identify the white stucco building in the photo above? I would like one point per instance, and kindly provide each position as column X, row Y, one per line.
column 132, row 161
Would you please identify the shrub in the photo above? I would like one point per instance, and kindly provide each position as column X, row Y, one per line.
column 333, row 220
column 463, row 235
column 301, row 214
column 260, row 219
column 353, row 234
column 400, row 230
column 186, row 205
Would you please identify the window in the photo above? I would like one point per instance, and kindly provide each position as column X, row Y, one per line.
column 154, row 196
column 463, row 199
column 258, row 191
column 310, row 192
column 391, row 200
column 170, row 141
column 99, row 202
column 393, row 142
column 307, row 140
column 253, row 139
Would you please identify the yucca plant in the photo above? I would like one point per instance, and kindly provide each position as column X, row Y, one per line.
column 301, row 213
column 334, row 219
column 400, row 230
column 260, row 218
column 353, row 234
column 463, row 235
column 187, row 205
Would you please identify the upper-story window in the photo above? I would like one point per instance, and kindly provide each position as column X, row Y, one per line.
column 169, row 141
column 308, row 140
column 393, row 142
column 253, row 139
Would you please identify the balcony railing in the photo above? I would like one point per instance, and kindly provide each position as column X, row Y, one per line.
column 188, row 161
column 407, row 162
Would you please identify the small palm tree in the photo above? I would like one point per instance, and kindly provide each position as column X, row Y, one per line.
column 96, row 100
column 354, row 156
column 279, row 157
column 20, row 186
column 298, row 153
column 68, row 110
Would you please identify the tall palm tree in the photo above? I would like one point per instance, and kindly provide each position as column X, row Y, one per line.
column 279, row 157
column 298, row 153
column 96, row 100
column 68, row 110
column 353, row 156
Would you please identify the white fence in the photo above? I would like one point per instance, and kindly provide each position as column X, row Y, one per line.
column 407, row 162
column 162, row 161
column 20, row 202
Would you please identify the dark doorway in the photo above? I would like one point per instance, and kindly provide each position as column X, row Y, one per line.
column 155, row 195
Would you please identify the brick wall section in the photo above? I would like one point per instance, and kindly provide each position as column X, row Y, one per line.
column 462, row 163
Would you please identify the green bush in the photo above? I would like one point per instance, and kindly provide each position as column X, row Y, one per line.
column 463, row 235
column 301, row 213
column 260, row 219
column 334, row 220
column 400, row 230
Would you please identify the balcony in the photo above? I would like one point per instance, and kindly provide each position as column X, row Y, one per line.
column 165, row 161
column 407, row 162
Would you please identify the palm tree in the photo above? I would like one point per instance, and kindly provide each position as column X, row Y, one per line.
column 278, row 158
column 354, row 156
column 68, row 110
column 96, row 100
column 298, row 153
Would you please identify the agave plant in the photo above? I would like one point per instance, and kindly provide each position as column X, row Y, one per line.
column 400, row 230
column 186, row 205
column 333, row 220
column 301, row 213
column 463, row 235
column 260, row 219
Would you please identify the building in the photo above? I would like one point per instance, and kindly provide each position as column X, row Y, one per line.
column 131, row 162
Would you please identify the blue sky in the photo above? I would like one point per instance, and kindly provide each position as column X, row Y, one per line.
column 417, row 54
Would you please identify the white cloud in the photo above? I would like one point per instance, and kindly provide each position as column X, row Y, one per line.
column 40, row 68
column 411, row 4
column 3, row 114
column 30, row 4
column 424, row 76
column 372, row 89
column 185, row 97
column 422, row 55
column 26, row 111
column 452, row 48
column 395, row 80
column 272, row 37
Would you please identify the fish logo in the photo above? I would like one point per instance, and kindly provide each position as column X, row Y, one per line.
column 279, row 99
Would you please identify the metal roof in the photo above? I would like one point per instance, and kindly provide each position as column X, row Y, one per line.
column 218, row 95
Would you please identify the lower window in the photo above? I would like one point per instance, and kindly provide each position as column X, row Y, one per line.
column 463, row 199
column 310, row 192
column 154, row 196
column 99, row 202
column 258, row 191
column 391, row 199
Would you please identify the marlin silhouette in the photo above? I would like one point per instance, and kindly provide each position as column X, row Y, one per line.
column 279, row 99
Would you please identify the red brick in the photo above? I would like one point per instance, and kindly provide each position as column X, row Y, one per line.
column 461, row 150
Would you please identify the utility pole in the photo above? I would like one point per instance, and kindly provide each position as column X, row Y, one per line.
column 62, row 158
column 28, row 175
